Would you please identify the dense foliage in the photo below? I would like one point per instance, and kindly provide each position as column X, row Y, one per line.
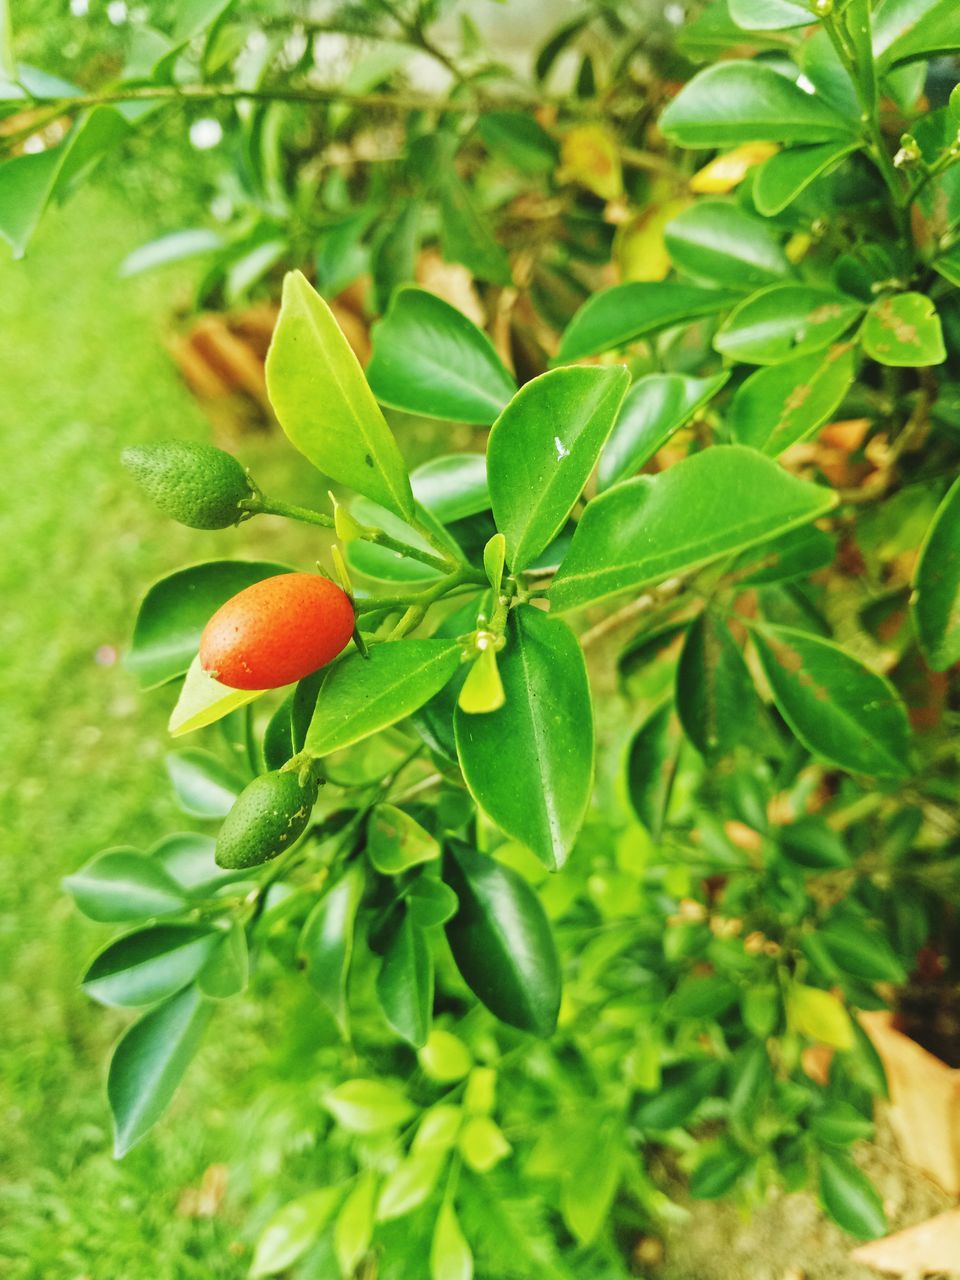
column 570, row 923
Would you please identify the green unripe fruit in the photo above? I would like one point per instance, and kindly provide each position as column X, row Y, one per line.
column 266, row 818
column 196, row 484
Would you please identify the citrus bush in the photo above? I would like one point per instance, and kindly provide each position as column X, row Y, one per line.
column 596, row 780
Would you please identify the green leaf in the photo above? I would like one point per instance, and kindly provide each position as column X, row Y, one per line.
column 149, row 1062
column 782, row 404
column 429, row 359
column 368, row 1106
column 769, row 15
column 794, row 555
column 739, row 101
column 354, row 1228
column 684, row 1088
column 653, row 409
column 494, row 560
column 394, row 259
column 855, row 948
column 28, row 183
column 450, row 1255
column 650, row 765
column 465, row 234
column 292, row 1230
column 907, row 30
column 849, row 1197
column 205, row 787
column 323, row 403
column 150, row 965
column 529, row 765
column 904, row 330
column 542, row 450
column 709, row 505
column 519, row 140
column 383, row 563
column 123, row 885
column 189, row 858
column 452, row 486
column 624, row 313
column 715, row 693
column 838, row 708
column 177, row 608
column 784, row 321
column 431, row 901
column 204, row 701
column 718, row 1170
column 360, row 696
column 820, row 1016
column 227, row 972
column 839, row 1124
column 936, row 586
column 482, row 1144
column 326, row 941
column 501, row 941
column 721, row 243
column 444, row 1058
column 396, row 842
column 588, row 1192
column 811, row 843
column 405, row 983
column 785, row 176
column 175, row 247
column 410, row 1183
column 8, row 62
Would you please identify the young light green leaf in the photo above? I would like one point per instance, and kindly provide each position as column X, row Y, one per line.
column 396, row 842
column 501, row 941
column 838, row 708
column 620, row 315
column 444, row 1057
column 482, row 1144
column 483, row 691
column 204, row 786
column 905, row 330
column 429, row 359
column 786, row 175
column 360, row 696
column 354, row 1228
column 529, row 765
column 123, row 885
column 784, row 321
column 405, row 983
column 542, row 450
column 450, row 1255
column 176, row 609
column 410, row 1183
column 936, row 586
column 452, row 486
column 323, row 403
column 849, row 1197
column 820, row 1016
column 709, row 505
column 782, row 404
column 204, row 700
column 326, row 941
column 739, row 101
column 494, row 559
column 149, row 965
column 368, row 1106
column 723, row 244
column 292, row 1230
column 653, row 409
column 149, row 1062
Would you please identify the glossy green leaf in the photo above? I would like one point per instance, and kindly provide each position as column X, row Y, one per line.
column 278, row 745
column 227, row 971
column 324, row 405
column 782, row 404
column 383, row 563
column 410, row 1183
column 904, row 329
column 177, row 608
column 189, row 858
column 396, row 842
column 368, row 1106
column 715, row 693
column 360, row 696
column 292, row 1230
column 653, row 409
column 709, row 505
column 452, row 486
column 784, row 321
column 122, row 885
column 326, row 941
column 857, row 949
column 719, row 242
column 204, row 786
column 739, row 101
column 849, row 1197
column 204, row 701
column 466, row 236
column 150, row 965
column 625, row 313
column 785, row 176
column 770, row 15
column 718, row 1170
column 519, row 140
column 650, row 764
column 431, row 902
column 501, row 941
column 838, row 708
column 405, row 983
column 936, row 586
column 149, row 1062
column 429, row 359
column 907, row 30
column 354, row 1227
column 451, row 1258
column 529, row 765
column 542, row 450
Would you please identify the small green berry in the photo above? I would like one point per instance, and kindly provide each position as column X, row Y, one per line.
column 267, row 817
column 196, row 484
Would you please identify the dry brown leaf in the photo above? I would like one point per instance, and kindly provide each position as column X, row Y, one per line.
column 930, row 1248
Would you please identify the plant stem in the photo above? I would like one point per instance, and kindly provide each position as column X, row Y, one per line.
column 273, row 507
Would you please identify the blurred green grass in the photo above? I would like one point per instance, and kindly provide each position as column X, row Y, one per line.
column 82, row 372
